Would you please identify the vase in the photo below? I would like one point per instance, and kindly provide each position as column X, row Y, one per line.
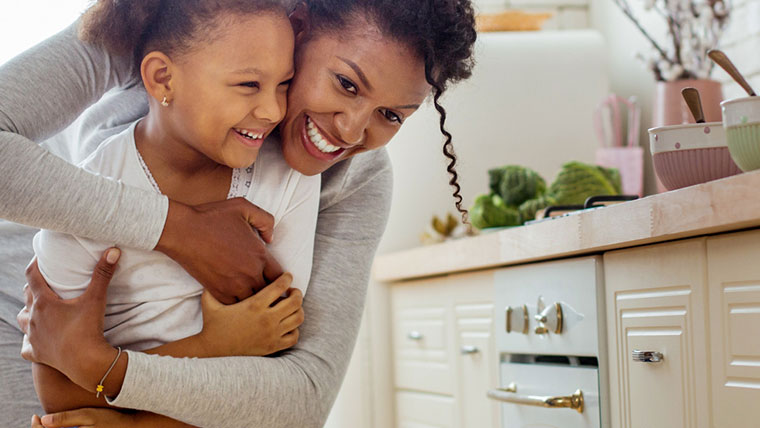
column 670, row 108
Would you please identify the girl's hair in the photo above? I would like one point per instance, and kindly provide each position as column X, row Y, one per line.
column 441, row 32
column 136, row 27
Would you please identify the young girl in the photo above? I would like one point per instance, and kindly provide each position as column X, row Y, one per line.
column 217, row 74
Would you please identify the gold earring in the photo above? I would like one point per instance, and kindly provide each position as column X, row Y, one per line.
column 164, row 102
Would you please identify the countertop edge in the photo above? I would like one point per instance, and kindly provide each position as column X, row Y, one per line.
column 718, row 206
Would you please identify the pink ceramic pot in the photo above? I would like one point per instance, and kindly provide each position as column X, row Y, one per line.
column 685, row 155
column 670, row 109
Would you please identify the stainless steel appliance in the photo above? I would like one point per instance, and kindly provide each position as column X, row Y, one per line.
column 551, row 339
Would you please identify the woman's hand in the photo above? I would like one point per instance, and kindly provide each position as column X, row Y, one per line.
column 88, row 418
column 68, row 334
column 220, row 244
column 263, row 324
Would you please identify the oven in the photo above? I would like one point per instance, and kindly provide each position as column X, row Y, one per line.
column 551, row 340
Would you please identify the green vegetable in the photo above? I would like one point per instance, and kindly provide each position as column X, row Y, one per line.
column 529, row 208
column 491, row 211
column 578, row 181
column 516, row 184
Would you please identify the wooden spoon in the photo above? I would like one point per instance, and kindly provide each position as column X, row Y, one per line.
column 722, row 60
column 691, row 96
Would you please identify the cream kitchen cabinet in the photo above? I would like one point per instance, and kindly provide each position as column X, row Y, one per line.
column 733, row 272
column 697, row 303
column 656, row 302
column 444, row 359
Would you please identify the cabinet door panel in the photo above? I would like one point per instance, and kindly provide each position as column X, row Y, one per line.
column 477, row 365
column 656, row 302
column 734, row 287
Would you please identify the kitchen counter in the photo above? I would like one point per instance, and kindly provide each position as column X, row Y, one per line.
column 717, row 206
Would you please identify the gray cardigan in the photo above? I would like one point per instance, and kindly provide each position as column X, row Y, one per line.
column 42, row 92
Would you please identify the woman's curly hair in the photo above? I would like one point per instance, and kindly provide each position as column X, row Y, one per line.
column 441, row 32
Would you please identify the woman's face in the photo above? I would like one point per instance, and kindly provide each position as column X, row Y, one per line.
column 351, row 93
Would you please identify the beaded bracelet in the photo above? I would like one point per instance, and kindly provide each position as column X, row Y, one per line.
column 100, row 387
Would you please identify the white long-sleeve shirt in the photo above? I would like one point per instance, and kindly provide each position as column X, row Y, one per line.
column 151, row 299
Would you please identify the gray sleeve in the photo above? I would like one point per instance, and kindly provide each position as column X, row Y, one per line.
column 41, row 92
column 298, row 387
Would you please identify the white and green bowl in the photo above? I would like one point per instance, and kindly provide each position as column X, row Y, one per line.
column 741, row 118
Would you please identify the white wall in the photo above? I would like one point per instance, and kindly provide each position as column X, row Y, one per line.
column 26, row 23
column 741, row 43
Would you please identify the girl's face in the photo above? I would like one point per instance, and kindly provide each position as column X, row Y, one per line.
column 351, row 93
column 230, row 93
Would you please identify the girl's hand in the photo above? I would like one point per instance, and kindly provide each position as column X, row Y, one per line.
column 86, row 418
column 220, row 244
column 68, row 334
column 260, row 325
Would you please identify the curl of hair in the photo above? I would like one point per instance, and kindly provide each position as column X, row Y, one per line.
column 136, row 27
column 441, row 32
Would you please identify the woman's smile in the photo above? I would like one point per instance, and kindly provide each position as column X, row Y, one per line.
column 318, row 143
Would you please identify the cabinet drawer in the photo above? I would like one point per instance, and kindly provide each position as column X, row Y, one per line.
column 418, row 410
column 422, row 350
column 433, row 321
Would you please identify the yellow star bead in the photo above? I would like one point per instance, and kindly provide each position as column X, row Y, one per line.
column 100, row 388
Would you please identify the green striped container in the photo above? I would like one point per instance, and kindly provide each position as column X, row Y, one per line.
column 744, row 145
column 741, row 119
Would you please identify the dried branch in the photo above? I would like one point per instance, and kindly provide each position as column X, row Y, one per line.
column 623, row 5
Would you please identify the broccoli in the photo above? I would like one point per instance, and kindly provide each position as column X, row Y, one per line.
column 516, row 184
column 491, row 211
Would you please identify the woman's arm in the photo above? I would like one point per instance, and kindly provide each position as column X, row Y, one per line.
column 260, row 325
column 298, row 387
column 43, row 91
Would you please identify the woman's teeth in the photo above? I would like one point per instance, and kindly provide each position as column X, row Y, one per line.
column 249, row 134
column 317, row 139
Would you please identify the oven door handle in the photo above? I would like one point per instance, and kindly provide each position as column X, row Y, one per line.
column 508, row 395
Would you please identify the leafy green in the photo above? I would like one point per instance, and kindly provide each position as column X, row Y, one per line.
column 491, row 211
column 577, row 181
column 516, row 184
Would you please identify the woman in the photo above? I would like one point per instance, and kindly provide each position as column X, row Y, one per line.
column 354, row 81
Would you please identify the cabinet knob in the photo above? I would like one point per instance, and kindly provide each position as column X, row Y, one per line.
column 646, row 356
column 469, row 349
column 550, row 319
column 517, row 319
column 414, row 335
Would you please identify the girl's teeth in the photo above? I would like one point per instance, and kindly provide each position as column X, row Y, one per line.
column 317, row 139
column 250, row 134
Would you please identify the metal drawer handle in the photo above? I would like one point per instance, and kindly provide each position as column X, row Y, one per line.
column 507, row 395
column 469, row 349
column 646, row 356
column 414, row 335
